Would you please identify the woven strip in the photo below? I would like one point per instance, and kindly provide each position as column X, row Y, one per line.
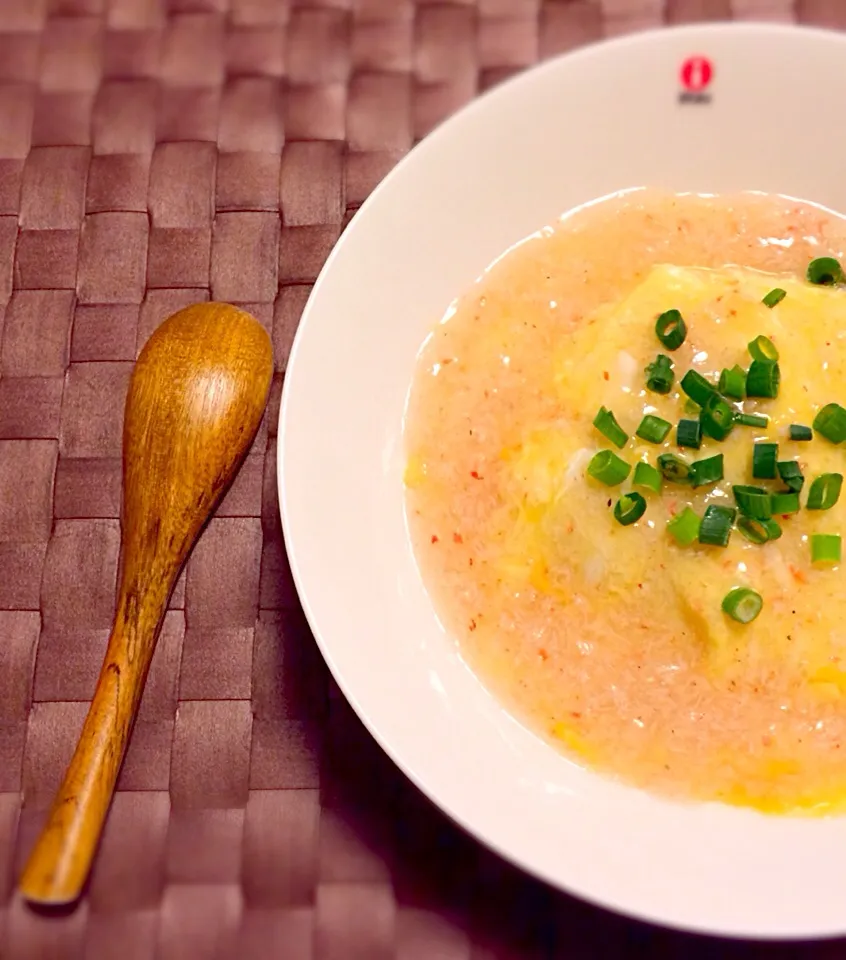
column 155, row 153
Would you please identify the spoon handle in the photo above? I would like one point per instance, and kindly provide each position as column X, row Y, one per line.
column 60, row 861
column 195, row 401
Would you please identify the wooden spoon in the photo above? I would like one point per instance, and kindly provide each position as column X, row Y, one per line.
column 195, row 402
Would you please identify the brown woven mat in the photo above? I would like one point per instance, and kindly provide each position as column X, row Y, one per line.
column 153, row 154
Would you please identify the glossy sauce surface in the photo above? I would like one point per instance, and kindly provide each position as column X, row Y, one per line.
column 610, row 640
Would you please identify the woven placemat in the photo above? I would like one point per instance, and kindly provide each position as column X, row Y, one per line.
column 155, row 153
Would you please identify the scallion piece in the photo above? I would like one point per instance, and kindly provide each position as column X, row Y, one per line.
column 684, row 527
column 753, row 530
column 762, row 348
column 759, row 531
column 784, row 503
column 825, row 548
column 798, row 431
column 742, row 604
column 791, row 475
column 689, row 434
column 824, row 270
column 629, row 508
column 733, row 382
column 751, row 419
column 717, row 417
column 645, row 475
column 773, row 528
column 608, row 468
column 830, row 422
column 671, row 329
column 697, row 387
column 753, row 502
column 824, row 491
column 659, row 374
column 764, row 459
column 763, row 379
column 674, row 469
column 716, row 525
column 653, row 429
column 606, row 423
column 776, row 295
column 705, row 471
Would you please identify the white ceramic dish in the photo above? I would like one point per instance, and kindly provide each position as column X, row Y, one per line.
column 604, row 118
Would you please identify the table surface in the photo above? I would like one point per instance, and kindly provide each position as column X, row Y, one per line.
column 155, row 153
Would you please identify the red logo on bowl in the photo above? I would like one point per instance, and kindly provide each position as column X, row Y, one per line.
column 696, row 74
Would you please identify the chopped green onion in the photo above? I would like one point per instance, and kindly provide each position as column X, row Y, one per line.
column 824, row 270
column 753, row 502
column 762, row 348
column 764, row 459
column 791, row 475
column 733, row 382
column 742, row 604
column 691, row 407
column 716, row 525
column 751, row 419
column 674, row 469
column 773, row 528
column 684, row 527
column 763, row 379
column 653, row 429
column 717, row 417
column 708, row 470
column 753, row 530
column 629, row 508
column 659, row 374
column 798, row 431
column 697, row 387
column 671, row 329
column 776, row 295
column 758, row 531
column 645, row 475
column 608, row 468
column 831, row 422
column 825, row 548
column 784, row 503
column 824, row 491
column 689, row 434
column 606, row 423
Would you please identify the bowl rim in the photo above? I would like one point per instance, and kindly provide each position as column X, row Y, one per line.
column 430, row 142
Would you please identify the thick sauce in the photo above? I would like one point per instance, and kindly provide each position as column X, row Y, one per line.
column 610, row 640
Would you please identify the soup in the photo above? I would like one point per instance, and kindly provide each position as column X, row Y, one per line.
column 640, row 556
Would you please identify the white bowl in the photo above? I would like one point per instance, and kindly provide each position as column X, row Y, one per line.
column 584, row 125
